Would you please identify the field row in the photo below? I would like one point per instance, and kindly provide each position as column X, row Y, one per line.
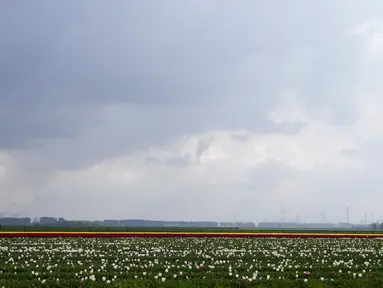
column 56, row 228
column 9, row 234
column 191, row 262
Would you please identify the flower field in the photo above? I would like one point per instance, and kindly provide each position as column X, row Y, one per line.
column 190, row 262
column 201, row 234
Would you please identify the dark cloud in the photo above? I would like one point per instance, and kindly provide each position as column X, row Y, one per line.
column 84, row 81
column 59, row 57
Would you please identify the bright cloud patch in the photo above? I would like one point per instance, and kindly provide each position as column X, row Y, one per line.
column 214, row 167
column 372, row 32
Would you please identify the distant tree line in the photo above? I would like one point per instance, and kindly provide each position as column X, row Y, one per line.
column 61, row 222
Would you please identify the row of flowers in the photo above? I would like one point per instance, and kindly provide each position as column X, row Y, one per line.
column 182, row 235
column 233, row 262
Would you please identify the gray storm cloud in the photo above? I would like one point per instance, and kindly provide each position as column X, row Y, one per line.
column 95, row 97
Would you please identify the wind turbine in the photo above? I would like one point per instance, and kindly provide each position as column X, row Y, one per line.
column 283, row 214
column 373, row 218
column 348, row 214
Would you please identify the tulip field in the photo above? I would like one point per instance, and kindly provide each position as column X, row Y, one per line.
column 190, row 261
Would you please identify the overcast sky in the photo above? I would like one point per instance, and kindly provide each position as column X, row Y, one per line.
column 191, row 110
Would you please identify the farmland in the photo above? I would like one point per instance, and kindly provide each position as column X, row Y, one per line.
column 191, row 262
column 119, row 229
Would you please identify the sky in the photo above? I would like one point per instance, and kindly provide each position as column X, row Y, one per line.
column 191, row 110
